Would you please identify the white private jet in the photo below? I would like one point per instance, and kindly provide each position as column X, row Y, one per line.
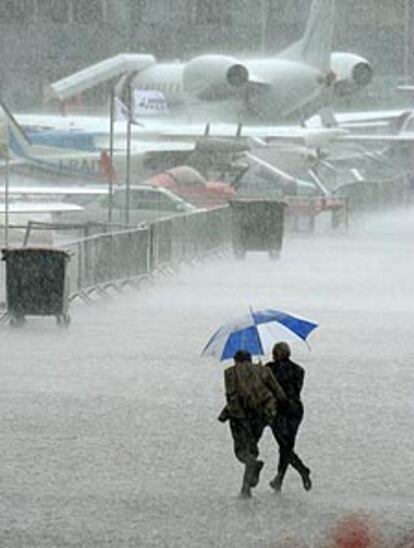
column 290, row 85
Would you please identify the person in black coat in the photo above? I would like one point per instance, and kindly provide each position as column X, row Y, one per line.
column 290, row 376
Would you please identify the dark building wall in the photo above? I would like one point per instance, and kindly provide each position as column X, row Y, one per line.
column 42, row 40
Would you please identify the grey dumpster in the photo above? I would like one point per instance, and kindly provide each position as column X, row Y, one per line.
column 36, row 284
column 257, row 225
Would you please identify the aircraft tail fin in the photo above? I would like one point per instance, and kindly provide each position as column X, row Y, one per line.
column 18, row 142
column 316, row 44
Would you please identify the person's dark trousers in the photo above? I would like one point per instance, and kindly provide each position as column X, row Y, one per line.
column 246, row 435
column 284, row 429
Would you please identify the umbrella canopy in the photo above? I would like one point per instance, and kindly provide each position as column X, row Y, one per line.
column 257, row 332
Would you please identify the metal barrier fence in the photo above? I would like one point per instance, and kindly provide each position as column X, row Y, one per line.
column 184, row 238
column 114, row 258
column 105, row 260
column 376, row 195
column 301, row 213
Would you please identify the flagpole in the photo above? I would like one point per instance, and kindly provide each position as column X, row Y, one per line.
column 6, row 201
column 128, row 154
column 111, row 153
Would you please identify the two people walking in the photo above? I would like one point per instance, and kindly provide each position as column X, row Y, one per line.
column 258, row 396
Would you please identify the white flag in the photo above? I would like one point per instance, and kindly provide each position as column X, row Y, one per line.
column 122, row 112
column 149, row 102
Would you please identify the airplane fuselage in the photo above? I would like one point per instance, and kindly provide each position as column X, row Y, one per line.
column 264, row 98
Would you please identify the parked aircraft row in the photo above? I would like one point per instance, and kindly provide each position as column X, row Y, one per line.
column 376, row 138
column 220, row 151
column 290, row 85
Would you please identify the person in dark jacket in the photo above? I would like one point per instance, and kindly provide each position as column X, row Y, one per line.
column 285, row 426
column 252, row 396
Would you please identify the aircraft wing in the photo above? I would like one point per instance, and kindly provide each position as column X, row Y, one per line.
column 160, row 136
column 379, row 139
column 360, row 119
column 179, row 134
column 46, row 122
column 163, row 144
column 53, row 191
column 38, row 207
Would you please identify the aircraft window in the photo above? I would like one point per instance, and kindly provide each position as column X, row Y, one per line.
column 54, row 10
column 15, row 11
column 87, row 11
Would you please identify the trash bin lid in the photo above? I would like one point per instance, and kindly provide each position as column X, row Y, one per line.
column 236, row 201
column 13, row 251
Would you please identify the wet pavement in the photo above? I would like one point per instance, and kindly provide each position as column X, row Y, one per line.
column 108, row 431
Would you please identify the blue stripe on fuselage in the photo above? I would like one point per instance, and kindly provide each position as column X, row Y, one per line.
column 58, row 167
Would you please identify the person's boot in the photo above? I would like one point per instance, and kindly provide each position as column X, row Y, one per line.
column 245, row 492
column 306, row 481
column 247, row 479
column 276, row 483
column 258, row 465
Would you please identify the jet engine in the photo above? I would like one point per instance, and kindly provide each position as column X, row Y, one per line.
column 214, row 77
column 352, row 72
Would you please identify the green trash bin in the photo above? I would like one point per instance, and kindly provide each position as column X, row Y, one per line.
column 37, row 284
column 257, row 225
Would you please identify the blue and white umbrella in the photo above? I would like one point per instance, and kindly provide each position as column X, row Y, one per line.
column 257, row 332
